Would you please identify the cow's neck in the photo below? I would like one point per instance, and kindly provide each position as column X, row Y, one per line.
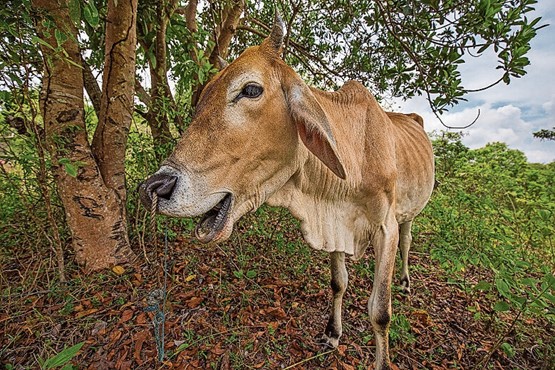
column 335, row 214
column 320, row 200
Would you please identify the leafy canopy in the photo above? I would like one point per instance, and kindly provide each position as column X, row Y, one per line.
column 402, row 48
column 397, row 48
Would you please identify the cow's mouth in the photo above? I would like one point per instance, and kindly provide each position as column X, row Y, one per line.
column 213, row 222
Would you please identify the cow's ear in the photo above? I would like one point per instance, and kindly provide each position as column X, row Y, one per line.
column 314, row 128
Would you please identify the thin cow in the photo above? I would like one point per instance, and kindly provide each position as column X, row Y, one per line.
column 353, row 174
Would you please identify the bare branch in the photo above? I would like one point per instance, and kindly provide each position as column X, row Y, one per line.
column 227, row 30
column 288, row 34
column 190, row 12
column 91, row 86
column 142, row 94
column 301, row 49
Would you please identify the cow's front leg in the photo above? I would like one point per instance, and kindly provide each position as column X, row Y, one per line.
column 339, row 280
column 379, row 305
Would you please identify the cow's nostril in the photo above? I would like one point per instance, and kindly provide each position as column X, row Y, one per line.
column 161, row 184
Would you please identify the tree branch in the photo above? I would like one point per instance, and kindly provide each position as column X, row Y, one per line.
column 301, row 49
column 190, row 12
column 227, row 30
column 91, row 86
column 142, row 94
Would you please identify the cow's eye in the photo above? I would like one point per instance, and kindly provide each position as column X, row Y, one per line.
column 251, row 91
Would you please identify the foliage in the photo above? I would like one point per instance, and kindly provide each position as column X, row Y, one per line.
column 23, row 177
column 403, row 48
column 19, row 55
column 497, row 213
column 545, row 134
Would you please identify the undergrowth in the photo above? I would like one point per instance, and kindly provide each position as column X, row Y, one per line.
column 482, row 269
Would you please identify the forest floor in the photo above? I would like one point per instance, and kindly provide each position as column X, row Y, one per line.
column 258, row 301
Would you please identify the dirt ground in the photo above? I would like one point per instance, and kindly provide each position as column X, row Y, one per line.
column 255, row 302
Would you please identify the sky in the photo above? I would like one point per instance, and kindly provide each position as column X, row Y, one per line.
column 508, row 113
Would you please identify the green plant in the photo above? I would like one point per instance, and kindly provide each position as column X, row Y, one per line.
column 494, row 211
column 62, row 359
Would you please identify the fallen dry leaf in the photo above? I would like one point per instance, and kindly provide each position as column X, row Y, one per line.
column 118, row 270
column 139, row 340
column 126, row 316
column 194, row 302
column 86, row 313
column 141, row 318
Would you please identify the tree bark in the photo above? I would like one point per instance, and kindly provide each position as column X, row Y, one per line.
column 94, row 211
column 118, row 84
column 226, row 30
column 91, row 86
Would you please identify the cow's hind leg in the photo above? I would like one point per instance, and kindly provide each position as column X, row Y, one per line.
column 379, row 306
column 405, row 240
column 339, row 280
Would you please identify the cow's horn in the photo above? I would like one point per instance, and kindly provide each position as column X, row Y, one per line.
column 222, row 63
column 278, row 31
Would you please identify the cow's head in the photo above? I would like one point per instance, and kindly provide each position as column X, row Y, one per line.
column 253, row 123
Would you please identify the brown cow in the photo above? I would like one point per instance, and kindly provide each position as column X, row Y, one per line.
column 353, row 174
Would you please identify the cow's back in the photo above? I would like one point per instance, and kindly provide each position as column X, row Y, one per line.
column 415, row 165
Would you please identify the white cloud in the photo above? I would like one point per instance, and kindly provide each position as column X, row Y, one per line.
column 506, row 123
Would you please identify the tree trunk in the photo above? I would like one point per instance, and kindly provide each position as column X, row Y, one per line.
column 94, row 208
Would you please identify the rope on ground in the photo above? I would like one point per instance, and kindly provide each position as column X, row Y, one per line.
column 156, row 300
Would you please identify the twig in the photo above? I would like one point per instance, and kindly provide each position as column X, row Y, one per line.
column 498, row 343
column 309, row 359
column 387, row 16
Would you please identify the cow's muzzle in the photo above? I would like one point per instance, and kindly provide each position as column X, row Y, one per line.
column 161, row 184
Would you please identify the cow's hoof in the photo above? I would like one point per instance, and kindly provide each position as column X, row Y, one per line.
column 328, row 342
column 405, row 286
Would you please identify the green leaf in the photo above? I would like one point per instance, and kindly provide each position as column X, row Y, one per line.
column 502, row 287
column 71, row 168
column 501, row 306
column 91, row 14
column 482, row 285
column 251, row 274
column 152, row 59
column 508, row 349
column 36, row 39
column 63, row 357
column 75, row 11
column 60, row 37
column 550, row 297
column 238, row 274
column 529, row 282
